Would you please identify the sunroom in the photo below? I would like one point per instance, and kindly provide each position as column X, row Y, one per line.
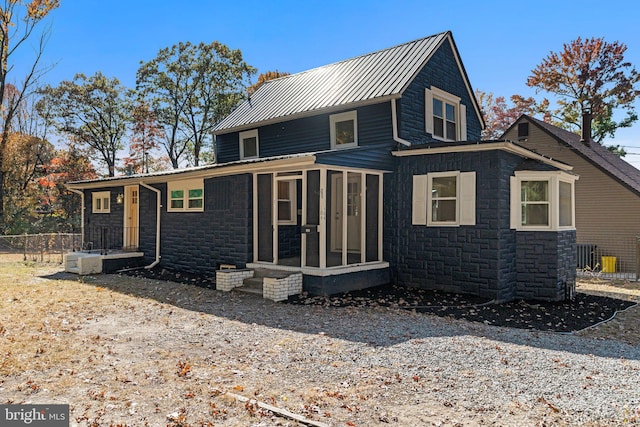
column 324, row 221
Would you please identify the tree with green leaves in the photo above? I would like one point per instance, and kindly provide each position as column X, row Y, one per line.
column 190, row 88
column 94, row 112
column 19, row 20
column 590, row 74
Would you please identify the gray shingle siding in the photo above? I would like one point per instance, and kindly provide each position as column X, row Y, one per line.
column 442, row 72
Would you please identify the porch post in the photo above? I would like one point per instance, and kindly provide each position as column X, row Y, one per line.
column 363, row 218
column 345, row 178
column 380, row 214
column 323, row 219
column 303, row 238
column 255, row 217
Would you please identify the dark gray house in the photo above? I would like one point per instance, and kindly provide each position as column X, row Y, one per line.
column 357, row 174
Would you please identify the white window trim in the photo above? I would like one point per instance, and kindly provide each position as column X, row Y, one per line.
column 465, row 199
column 100, row 195
column 343, row 117
column 293, row 203
column 245, row 135
column 461, row 113
column 185, row 186
column 554, row 178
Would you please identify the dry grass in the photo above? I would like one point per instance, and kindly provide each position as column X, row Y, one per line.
column 128, row 351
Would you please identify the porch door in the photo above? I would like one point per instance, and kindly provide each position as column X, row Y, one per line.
column 351, row 207
column 131, row 217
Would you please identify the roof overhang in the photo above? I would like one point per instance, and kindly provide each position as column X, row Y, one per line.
column 232, row 168
column 507, row 146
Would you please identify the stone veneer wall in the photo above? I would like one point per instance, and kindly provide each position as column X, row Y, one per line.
column 546, row 265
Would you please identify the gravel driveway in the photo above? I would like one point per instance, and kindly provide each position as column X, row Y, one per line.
column 131, row 351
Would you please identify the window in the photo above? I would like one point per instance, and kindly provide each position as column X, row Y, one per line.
column 249, row 144
column 444, row 199
column 287, row 202
column 445, row 116
column 523, row 130
column 186, row 196
column 101, row 202
column 344, row 129
column 542, row 200
column 535, row 202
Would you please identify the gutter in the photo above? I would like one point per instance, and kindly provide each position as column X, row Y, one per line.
column 394, row 123
column 158, row 208
column 81, row 193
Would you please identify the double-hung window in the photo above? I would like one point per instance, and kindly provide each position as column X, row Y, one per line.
column 101, row 202
column 445, row 116
column 186, row 196
column 344, row 129
column 444, row 199
column 542, row 201
column 249, row 147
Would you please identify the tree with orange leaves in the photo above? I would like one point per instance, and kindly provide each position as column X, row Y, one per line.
column 590, row 74
column 18, row 21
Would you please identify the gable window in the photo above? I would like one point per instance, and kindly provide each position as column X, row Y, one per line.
column 523, row 130
column 344, row 129
column 542, row 201
column 186, row 196
column 249, row 144
column 101, row 202
column 287, row 202
column 444, row 199
column 445, row 116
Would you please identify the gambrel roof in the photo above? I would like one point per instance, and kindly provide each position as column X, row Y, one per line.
column 372, row 78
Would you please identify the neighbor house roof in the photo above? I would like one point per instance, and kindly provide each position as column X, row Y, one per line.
column 593, row 152
column 371, row 78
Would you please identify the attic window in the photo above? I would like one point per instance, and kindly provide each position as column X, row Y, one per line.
column 249, row 144
column 523, row 130
column 344, row 129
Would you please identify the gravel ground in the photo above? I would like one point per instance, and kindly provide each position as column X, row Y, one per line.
column 137, row 351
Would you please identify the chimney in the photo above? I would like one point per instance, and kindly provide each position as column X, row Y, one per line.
column 586, row 126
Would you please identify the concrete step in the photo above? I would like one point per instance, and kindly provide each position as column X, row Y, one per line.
column 251, row 285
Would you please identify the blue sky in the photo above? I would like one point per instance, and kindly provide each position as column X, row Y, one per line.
column 500, row 42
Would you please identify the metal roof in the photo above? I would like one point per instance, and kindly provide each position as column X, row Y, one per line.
column 373, row 77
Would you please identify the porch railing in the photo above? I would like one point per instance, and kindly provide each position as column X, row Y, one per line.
column 106, row 239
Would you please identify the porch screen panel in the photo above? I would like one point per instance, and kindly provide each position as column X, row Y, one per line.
column 334, row 215
column 354, row 212
column 313, row 218
column 373, row 216
column 265, row 218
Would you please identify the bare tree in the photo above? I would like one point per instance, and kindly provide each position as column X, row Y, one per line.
column 18, row 21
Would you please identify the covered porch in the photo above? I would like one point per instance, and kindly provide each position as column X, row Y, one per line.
column 323, row 221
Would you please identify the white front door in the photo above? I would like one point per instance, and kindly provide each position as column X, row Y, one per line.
column 131, row 215
column 352, row 210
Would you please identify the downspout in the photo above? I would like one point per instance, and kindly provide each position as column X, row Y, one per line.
column 158, row 208
column 394, row 125
column 396, row 138
column 81, row 193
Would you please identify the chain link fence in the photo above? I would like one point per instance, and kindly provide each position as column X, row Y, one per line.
column 45, row 247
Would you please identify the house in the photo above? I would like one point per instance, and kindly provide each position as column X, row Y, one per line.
column 355, row 174
column 607, row 194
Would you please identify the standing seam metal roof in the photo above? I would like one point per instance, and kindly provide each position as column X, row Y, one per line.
column 380, row 74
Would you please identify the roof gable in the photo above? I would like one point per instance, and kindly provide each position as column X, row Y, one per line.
column 593, row 152
column 371, row 78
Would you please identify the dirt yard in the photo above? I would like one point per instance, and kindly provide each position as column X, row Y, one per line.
column 125, row 351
